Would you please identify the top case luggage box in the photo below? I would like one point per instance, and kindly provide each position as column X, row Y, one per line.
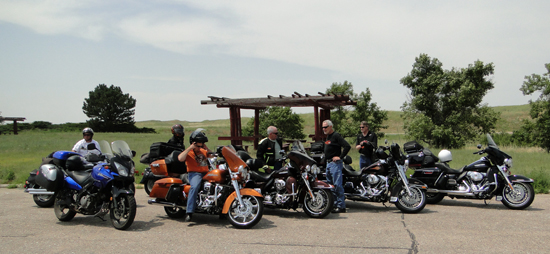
column 162, row 149
column 412, row 147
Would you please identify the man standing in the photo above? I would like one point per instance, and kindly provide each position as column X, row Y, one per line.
column 268, row 149
column 365, row 144
column 336, row 148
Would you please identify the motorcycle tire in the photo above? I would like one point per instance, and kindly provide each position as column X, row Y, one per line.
column 411, row 204
column 63, row 213
column 321, row 206
column 434, row 198
column 248, row 215
column 520, row 198
column 43, row 200
column 148, row 186
column 122, row 216
column 174, row 212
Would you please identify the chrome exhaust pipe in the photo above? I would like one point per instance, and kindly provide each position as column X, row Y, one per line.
column 163, row 203
column 39, row 191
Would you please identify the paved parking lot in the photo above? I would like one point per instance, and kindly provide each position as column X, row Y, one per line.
column 454, row 226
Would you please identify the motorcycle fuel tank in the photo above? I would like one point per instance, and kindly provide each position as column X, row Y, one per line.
column 216, row 176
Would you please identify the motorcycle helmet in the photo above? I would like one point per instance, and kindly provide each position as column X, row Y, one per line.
column 445, row 156
column 88, row 130
column 198, row 136
column 178, row 130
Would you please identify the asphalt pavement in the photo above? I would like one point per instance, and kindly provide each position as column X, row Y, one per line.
column 453, row 226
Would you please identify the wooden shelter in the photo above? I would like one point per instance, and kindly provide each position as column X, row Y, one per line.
column 322, row 104
column 14, row 119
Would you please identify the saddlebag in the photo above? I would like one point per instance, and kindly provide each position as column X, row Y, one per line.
column 161, row 149
column 49, row 177
column 427, row 175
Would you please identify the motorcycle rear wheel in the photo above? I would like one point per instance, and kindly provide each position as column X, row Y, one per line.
column 434, row 198
column 248, row 215
column 174, row 212
column 411, row 204
column 122, row 216
column 43, row 200
column 322, row 206
column 520, row 198
column 63, row 213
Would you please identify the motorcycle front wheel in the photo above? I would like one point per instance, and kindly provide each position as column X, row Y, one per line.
column 123, row 214
column 247, row 215
column 520, row 198
column 62, row 212
column 320, row 205
column 411, row 203
column 148, row 186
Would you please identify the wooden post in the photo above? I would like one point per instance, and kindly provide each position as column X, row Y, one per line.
column 256, row 128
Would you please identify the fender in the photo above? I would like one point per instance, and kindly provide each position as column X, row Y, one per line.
column 417, row 183
column 520, row 179
column 116, row 192
column 147, row 174
column 318, row 184
column 245, row 191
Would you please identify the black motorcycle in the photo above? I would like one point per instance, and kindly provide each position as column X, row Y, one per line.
column 293, row 185
column 483, row 179
column 162, row 161
column 384, row 181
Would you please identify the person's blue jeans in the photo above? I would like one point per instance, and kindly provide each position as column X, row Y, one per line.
column 195, row 180
column 334, row 177
column 364, row 161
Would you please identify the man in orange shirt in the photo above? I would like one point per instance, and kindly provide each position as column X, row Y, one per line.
column 196, row 159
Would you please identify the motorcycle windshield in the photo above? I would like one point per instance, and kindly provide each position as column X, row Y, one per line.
column 491, row 142
column 121, row 148
column 232, row 159
column 300, row 158
column 105, row 148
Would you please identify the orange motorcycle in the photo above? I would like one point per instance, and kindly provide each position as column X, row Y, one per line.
column 221, row 193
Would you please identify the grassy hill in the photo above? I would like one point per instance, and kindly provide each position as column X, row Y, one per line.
column 511, row 117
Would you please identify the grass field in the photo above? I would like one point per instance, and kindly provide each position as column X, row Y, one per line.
column 19, row 154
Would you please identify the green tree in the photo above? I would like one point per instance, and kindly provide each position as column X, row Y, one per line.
column 289, row 124
column 539, row 129
column 445, row 107
column 109, row 109
column 347, row 119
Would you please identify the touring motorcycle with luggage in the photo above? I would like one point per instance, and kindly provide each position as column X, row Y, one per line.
column 221, row 193
column 485, row 178
column 293, row 185
column 385, row 180
column 106, row 187
column 43, row 197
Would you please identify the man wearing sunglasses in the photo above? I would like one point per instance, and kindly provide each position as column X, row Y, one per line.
column 336, row 148
column 268, row 150
column 365, row 144
column 81, row 146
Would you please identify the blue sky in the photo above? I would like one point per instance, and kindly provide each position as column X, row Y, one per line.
column 170, row 55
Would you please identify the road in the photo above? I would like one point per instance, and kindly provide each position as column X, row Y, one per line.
column 453, row 226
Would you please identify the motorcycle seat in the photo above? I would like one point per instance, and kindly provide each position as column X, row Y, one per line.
column 349, row 171
column 445, row 168
column 81, row 177
column 259, row 176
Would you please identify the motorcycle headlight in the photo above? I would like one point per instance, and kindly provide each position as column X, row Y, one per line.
column 315, row 169
column 508, row 162
column 308, row 168
column 244, row 173
column 122, row 170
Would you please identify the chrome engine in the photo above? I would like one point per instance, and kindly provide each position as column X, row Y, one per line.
column 370, row 188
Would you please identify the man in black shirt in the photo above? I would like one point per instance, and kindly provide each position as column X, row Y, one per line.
column 365, row 144
column 336, row 148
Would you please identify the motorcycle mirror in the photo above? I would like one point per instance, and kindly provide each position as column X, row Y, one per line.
column 133, row 153
column 282, row 152
column 91, row 146
column 386, row 141
column 479, row 146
